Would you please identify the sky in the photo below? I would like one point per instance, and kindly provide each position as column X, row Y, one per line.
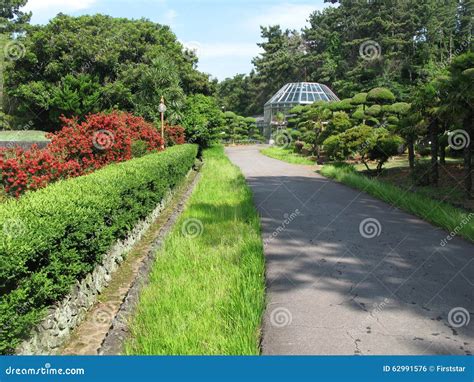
column 224, row 34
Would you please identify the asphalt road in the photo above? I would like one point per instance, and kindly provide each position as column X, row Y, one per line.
column 349, row 274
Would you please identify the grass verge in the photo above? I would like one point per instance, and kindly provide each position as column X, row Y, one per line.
column 206, row 290
column 22, row 135
column 286, row 155
column 433, row 211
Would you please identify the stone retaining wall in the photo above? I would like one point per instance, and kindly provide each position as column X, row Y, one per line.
column 62, row 318
column 23, row 144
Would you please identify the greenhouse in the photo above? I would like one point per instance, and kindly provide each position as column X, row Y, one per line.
column 293, row 94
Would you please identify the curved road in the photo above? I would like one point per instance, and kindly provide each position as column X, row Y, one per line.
column 349, row 274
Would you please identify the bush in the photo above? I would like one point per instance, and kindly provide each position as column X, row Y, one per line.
column 202, row 120
column 421, row 174
column 380, row 96
column 103, row 138
column 423, row 150
column 57, row 235
column 299, row 146
column 333, row 147
column 174, row 135
column 138, row 148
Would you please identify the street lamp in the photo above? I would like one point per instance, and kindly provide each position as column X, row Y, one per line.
column 162, row 109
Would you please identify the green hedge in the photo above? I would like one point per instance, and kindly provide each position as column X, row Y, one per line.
column 55, row 236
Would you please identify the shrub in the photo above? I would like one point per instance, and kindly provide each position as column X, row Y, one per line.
column 57, row 235
column 423, row 150
column 174, row 135
column 203, row 120
column 138, row 149
column 299, row 146
column 380, row 96
column 103, row 138
column 421, row 174
column 333, row 147
column 31, row 169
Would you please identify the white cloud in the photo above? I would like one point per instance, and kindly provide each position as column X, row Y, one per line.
column 291, row 16
column 55, row 6
column 170, row 17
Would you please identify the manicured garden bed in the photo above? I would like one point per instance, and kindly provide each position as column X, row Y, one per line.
column 206, row 290
column 55, row 236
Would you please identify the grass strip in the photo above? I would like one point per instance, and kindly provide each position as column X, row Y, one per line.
column 436, row 212
column 206, row 290
column 23, row 135
column 286, row 155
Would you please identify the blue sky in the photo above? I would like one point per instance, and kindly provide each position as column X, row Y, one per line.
column 223, row 33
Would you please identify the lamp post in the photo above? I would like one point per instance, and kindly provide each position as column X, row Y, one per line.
column 162, row 109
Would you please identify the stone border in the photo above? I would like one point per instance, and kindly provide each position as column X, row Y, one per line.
column 23, row 144
column 63, row 317
column 119, row 332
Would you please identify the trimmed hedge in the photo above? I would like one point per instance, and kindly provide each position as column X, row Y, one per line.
column 57, row 235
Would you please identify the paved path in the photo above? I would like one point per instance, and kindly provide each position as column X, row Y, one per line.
column 333, row 291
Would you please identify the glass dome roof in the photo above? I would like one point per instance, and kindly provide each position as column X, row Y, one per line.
column 302, row 93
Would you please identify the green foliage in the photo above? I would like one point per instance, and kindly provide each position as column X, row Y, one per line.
column 202, row 120
column 12, row 19
column 139, row 148
column 374, row 110
column 66, row 229
column 359, row 99
column 421, row 173
column 239, row 129
column 334, row 147
column 380, row 96
column 77, row 64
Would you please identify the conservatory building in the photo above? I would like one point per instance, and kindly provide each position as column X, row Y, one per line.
column 291, row 95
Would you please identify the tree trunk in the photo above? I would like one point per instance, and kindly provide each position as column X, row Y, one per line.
column 468, row 126
column 434, row 152
column 468, row 171
column 411, row 153
column 3, row 41
column 442, row 155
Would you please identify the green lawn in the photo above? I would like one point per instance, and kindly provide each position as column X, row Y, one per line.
column 22, row 135
column 286, row 155
column 429, row 209
column 206, row 289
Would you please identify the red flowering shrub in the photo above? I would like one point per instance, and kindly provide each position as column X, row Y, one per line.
column 79, row 148
column 32, row 169
column 103, row 138
column 174, row 135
